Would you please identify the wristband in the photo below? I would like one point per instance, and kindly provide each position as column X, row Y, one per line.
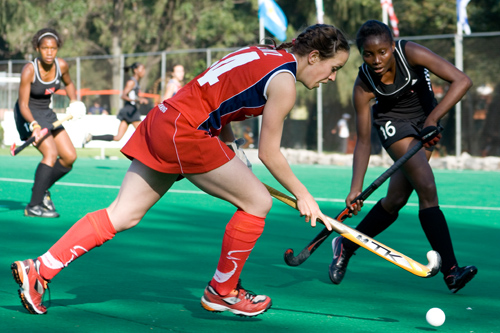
column 34, row 124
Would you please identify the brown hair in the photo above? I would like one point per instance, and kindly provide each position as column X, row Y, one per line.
column 327, row 39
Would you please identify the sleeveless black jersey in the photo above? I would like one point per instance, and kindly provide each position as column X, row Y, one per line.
column 41, row 92
column 410, row 96
column 134, row 93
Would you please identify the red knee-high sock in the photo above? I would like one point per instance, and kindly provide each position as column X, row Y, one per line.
column 92, row 230
column 241, row 234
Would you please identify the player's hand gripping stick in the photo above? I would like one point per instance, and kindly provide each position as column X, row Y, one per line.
column 16, row 150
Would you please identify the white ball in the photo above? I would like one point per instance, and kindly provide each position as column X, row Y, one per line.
column 435, row 317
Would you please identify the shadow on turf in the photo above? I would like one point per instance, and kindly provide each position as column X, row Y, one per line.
column 7, row 205
column 383, row 319
column 426, row 329
column 99, row 295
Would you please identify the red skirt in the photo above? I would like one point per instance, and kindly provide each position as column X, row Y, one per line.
column 166, row 142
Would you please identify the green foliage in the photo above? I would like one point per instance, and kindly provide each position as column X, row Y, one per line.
column 116, row 27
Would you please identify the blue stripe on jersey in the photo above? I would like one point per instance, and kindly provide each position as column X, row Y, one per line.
column 250, row 98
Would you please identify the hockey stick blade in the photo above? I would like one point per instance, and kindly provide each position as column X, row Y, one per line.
column 292, row 260
column 394, row 257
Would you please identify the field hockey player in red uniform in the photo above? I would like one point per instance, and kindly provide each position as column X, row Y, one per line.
column 188, row 135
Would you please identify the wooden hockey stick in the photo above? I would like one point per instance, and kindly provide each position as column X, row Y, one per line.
column 396, row 258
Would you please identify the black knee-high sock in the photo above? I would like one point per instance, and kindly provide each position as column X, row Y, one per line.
column 58, row 171
column 106, row 137
column 42, row 183
column 436, row 229
column 376, row 221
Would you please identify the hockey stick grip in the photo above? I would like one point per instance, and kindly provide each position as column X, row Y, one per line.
column 58, row 123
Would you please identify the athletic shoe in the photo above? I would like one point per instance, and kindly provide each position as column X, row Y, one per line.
column 39, row 211
column 458, row 277
column 32, row 285
column 47, row 202
column 86, row 139
column 240, row 302
column 340, row 260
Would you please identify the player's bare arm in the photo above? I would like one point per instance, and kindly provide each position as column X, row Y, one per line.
column 459, row 81
column 361, row 157
column 68, row 83
column 280, row 100
column 27, row 75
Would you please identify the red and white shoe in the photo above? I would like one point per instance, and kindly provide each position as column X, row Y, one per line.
column 240, row 302
column 32, row 285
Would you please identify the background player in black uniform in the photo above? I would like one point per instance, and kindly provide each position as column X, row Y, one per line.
column 130, row 113
column 396, row 75
column 40, row 79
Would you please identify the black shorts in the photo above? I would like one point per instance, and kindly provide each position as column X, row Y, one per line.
column 392, row 130
column 129, row 113
column 45, row 118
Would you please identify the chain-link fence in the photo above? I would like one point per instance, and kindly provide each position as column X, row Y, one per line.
column 101, row 78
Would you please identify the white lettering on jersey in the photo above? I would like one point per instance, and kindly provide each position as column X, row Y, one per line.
column 270, row 52
column 428, row 79
column 212, row 75
column 162, row 107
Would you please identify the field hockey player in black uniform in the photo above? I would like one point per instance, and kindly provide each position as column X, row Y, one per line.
column 130, row 113
column 396, row 75
column 40, row 79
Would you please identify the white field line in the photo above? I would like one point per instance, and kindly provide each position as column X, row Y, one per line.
column 13, row 180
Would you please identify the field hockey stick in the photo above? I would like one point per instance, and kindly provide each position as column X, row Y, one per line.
column 14, row 151
column 394, row 257
column 292, row 260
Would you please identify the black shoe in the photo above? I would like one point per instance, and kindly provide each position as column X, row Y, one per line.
column 340, row 260
column 39, row 211
column 47, row 202
column 458, row 277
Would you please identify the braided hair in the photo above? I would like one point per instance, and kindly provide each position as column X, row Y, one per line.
column 45, row 33
column 372, row 28
column 326, row 39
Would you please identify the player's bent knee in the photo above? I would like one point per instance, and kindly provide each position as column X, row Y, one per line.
column 396, row 205
column 259, row 206
column 265, row 204
column 427, row 192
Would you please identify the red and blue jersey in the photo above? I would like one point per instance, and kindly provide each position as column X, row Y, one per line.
column 232, row 89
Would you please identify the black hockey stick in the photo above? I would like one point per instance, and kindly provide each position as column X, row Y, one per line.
column 292, row 260
column 16, row 150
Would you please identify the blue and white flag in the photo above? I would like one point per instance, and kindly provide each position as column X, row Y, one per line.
column 274, row 19
column 463, row 21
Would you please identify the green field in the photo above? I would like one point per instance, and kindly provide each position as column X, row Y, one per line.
column 151, row 277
